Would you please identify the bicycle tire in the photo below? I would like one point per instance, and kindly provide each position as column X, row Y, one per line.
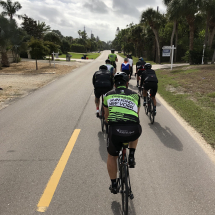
column 151, row 115
column 102, row 118
column 125, row 189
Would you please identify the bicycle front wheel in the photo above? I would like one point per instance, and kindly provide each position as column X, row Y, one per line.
column 125, row 189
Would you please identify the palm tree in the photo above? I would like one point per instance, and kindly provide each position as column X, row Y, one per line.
column 154, row 19
column 174, row 13
column 10, row 8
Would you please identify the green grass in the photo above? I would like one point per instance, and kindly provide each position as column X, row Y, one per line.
column 196, row 107
column 80, row 55
column 135, row 59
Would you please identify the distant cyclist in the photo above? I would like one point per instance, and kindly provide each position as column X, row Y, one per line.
column 125, row 67
column 131, row 64
column 110, row 67
column 113, row 58
column 139, row 69
column 149, row 81
column 122, row 107
column 102, row 82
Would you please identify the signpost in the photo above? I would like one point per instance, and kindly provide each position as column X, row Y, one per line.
column 168, row 51
column 55, row 54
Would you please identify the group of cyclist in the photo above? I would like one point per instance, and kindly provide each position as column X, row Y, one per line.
column 122, row 106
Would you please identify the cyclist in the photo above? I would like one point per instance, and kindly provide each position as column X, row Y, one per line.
column 121, row 107
column 139, row 69
column 113, row 58
column 125, row 67
column 131, row 64
column 103, row 82
column 149, row 81
column 110, row 67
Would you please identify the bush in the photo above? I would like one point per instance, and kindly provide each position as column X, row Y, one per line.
column 195, row 56
column 78, row 48
column 24, row 54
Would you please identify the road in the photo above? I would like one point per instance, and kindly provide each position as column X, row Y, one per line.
column 173, row 175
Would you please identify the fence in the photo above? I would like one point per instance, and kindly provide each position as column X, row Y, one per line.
column 11, row 57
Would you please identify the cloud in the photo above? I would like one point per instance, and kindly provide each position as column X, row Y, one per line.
column 96, row 6
column 102, row 17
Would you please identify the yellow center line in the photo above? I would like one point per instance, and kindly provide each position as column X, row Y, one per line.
column 56, row 175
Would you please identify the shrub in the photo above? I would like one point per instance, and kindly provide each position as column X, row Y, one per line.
column 78, row 48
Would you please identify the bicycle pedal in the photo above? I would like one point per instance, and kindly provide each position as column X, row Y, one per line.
column 131, row 196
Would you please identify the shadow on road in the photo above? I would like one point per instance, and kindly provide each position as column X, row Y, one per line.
column 103, row 145
column 167, row 137
column 117, row 208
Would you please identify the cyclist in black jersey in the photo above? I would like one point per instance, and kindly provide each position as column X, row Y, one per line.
column 102, row 82
column 149, row 81
column 139, row 69
column 121, row 107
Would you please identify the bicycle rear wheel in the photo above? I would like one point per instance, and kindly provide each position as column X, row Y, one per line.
column 102, row 118
column 151, row 114
column 125, row 189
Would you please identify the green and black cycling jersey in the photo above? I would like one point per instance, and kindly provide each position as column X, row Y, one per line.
column 123, row 106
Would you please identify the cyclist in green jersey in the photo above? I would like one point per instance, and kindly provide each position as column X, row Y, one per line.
column 121, row 107
column 113, row 58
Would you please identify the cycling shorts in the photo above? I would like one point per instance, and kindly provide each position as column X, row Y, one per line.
column 101, row 91
column 139, row 72
column 127, row 72
column 119, row 134
column 151, row 85
column 113, row 63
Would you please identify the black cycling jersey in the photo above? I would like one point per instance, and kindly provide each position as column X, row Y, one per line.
column 102, row 78
column 140, row 65
column 149, row 76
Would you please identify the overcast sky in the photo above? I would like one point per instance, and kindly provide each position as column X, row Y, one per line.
column 100, row 17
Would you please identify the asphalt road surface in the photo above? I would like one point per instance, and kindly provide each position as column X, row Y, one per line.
column 53, row 157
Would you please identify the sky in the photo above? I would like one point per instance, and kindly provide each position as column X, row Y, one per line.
column 100, row 17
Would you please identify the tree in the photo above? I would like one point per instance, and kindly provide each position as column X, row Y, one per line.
column 38, row 49
column 52, row 48
column 36, row 30
column 10, row 8
column 154, row 19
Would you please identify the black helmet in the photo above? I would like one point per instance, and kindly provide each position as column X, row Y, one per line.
column 107, row 61
column 112, row 50
column 121, row 76
column 147, row 66
column 141, row 59
column 103, row 67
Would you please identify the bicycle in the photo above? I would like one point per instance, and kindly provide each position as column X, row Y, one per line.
column 149, row 107
column 140, row 91
column 102, row 117
column 123, row 182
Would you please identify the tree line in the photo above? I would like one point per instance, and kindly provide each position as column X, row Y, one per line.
column 189, row 25
column 38, row 37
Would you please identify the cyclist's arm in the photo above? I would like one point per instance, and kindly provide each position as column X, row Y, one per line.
column 106, row 113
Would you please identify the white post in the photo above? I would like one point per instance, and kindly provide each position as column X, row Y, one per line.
column 53, row 58
column 172, row 53
column 203, row 54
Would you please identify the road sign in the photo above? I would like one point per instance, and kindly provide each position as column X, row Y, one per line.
column 166, row 47
column 166, row 52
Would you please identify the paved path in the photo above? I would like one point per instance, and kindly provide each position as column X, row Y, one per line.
column 173, row 175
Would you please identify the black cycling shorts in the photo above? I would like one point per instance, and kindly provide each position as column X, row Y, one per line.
column 119, row 134
column 113, row 63
column 151, row 85
column 139, row 72
column 101, row 91
column 127, row 72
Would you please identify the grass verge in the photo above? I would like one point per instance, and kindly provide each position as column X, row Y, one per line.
column 80, row 55
column 190, row 91
column 135, row 59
